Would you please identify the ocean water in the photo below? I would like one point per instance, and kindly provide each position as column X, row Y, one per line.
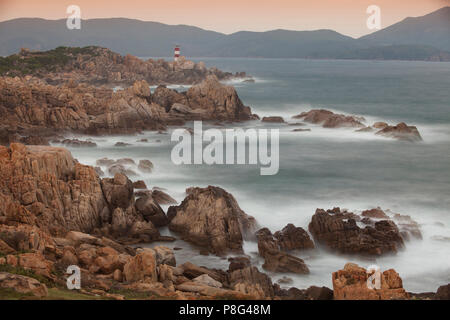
column 326, row 168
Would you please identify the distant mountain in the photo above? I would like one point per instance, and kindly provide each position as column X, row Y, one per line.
column 432, row 30
column 423, row 38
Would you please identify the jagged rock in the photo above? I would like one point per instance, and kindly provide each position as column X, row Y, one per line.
column 78, row 143
column 250, row 281
column 329, row 119
column 237, row 263
column 401, row 131
column 351, row 284
column 141, row 267
column 340, row 232
column 207, row 281
column 210, row 217
column 162, row 198
column 23, row 284
column 443, row 293
column 293, row 238
column 375, row 213
column 164, row 256
column 151, row 211
column 276, row 260
column 139, row 185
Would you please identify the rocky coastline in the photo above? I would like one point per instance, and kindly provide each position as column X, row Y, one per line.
column 56, row 212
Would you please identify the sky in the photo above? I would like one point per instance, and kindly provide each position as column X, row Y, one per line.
column 227, row 16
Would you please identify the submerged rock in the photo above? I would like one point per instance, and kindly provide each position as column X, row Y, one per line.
column 401, row 131
column 329, row 119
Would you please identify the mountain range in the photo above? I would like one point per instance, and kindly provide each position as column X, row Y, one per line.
column 421, row 38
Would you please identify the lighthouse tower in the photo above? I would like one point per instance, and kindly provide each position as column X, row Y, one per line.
column 176, row 53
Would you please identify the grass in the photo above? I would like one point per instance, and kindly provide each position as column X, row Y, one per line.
column 45, row 61
column 27, row 273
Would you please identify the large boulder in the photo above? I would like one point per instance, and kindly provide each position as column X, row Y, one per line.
column 276, row 260
column 218, row 101
column 141, row 267
column 351, row 283
column 22, row 284
column 293, row 238
column 339, row 231
column 251, row 281
column 210, row 217
column 151, row 211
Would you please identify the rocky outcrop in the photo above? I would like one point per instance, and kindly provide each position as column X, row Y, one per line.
column 330, row 119
column 351, row 284
column 22, row 284
column 30, row 107
column 251, row 281
column 45, row 187
column 276, row 260
column 98, row 65
column 293, row 238
column 339, row 231
column 401, row 131
column 210, row 217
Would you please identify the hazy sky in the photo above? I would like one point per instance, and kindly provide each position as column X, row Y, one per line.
column 228, row 16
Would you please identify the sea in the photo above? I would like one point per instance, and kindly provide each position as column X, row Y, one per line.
column 325, row 168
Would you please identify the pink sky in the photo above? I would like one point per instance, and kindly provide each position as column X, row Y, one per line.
column 345, row 16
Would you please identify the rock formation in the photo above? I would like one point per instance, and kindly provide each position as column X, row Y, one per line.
column 210, row 217
column 351, row 284
column 339, row 231
column 329, row 119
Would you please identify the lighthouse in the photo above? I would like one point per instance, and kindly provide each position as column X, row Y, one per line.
column 176, row 53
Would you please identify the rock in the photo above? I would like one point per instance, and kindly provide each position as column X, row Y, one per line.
column 376, row 213
column 443, row 292
column 117, row 275
column 192, row 271
column 105, row 162
column 162, row 198
column 22, row 284
column 407, row 226
column 293, row 238
column 217, row 101
column 379, row 125
column 122, row 144
column 319, row 293
column 165, row 256
column 211, row 218
column 250, row 281
column 273, row 119
column 142, row 267
column 237, row 263
column 151, row 211
column 207, row 281
column 46, row 182
column 145, row 166
column 329, row 119
column 99, row 171
column 285, row 280
column 78, row 143
column 120, row 169
column 401, row 132
column 340, row 232
column 351, row 284
column 35, row 262
column 276, row 260
column 139, row 185
column 301, row 130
